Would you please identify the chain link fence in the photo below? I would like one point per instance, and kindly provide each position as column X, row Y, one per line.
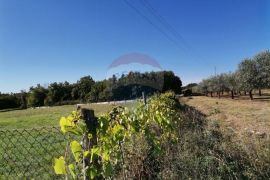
column 29, row 153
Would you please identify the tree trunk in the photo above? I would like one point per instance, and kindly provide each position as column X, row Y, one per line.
column 260, row 92
column 232, row 95
column 219, row 95
column 211, row 94
column 239, row 92
column 245, row 93
column 250, row 95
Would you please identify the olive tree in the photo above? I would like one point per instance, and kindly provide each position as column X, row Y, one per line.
column 263, row 65
column 248, row 72
column 221, row 83
column 211, row 86
column 231, row 83
column 203, row 87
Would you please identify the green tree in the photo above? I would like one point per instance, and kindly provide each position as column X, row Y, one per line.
column 203, row 87
column 172, row 82
column 23, row 99
column 96, row 93
column 231, row 83
column 58, row 92
column 263, row 64
column 83, row 87
column 37, row 96
column 248, row 73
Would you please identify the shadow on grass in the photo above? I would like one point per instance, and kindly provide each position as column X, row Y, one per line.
column 262, row 98
column 7, row 110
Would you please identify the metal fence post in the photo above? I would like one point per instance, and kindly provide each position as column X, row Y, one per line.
column 91, row 123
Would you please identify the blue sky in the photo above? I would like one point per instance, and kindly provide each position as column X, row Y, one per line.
column 42, row 41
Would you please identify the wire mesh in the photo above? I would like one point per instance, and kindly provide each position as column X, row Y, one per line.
column 29, row 153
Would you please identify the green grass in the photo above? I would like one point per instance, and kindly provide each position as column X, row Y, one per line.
column 29, row 118
column 28, row 146
column 30, row 153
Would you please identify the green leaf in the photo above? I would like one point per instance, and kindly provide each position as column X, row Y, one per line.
column 106, row 155
column 92, row 172
column 95, row 151
column 116, row 129
column 117, row 132
column 71, row 168
column 72, row 124
column 108, row 169
column 59, row 165
column 65, row 122
column 76, row 149
column 87, row 154
column 103, row 123
column 81, row 127
column 73, row 129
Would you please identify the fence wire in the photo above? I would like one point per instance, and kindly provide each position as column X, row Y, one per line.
column 29, row 153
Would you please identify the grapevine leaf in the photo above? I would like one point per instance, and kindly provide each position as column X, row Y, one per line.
column 95, row 151
column 76, row 149
column 108, row 169
column 71, row 168
column 59, row 165
column 87, row 154
column 64, row 123
column 74, row 130
column 106, row 155
column 92, row 172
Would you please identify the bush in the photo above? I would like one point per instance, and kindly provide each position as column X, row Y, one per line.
column 9, row 101
column 187, row 92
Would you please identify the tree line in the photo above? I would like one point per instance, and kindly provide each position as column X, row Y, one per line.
column 86, row 89
column 252, row 74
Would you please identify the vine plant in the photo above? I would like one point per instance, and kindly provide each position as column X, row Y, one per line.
column 114, row 129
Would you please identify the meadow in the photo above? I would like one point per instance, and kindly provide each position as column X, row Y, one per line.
column 46, row 116
column 31, row 138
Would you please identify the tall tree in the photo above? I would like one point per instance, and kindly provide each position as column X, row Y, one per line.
column 83, row 87
column 96, row 92
column 172, row 82
column 37, row 96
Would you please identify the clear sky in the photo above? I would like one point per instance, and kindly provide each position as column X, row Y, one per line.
column 42, row 41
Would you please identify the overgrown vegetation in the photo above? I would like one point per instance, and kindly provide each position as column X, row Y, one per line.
column 191, row 149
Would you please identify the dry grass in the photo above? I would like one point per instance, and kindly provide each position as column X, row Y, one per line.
column 241, row 116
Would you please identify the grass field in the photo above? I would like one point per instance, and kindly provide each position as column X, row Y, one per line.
column 31, row 155
column 202, row 151
column 242, row 116
column 29, row 118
